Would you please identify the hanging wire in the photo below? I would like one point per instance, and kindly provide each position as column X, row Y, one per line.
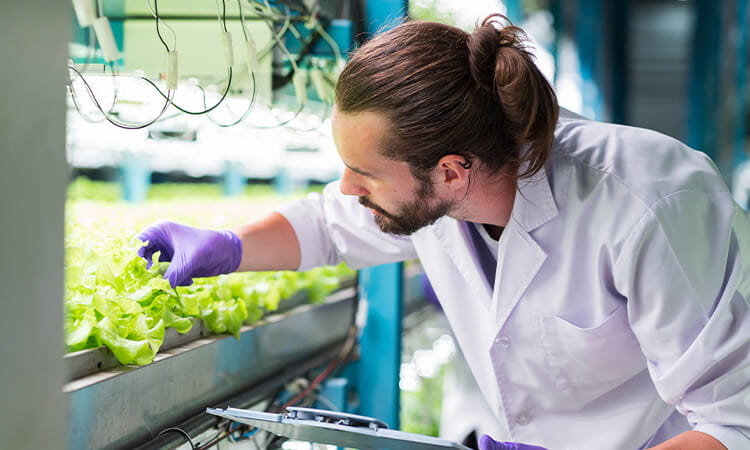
column 155, row 12
column 277, row 41
column 107, row 115
column 253, row 95
column 222, row 16
column 77, row 105
column 180, row 431
column 244, row 115
column 270, row 19
column 327, row 37
column 265, row 11
column 242, row 21
column 185, row 110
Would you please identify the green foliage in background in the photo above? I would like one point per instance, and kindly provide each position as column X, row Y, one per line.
column 430, row 10
column 421, row 408
column 82, row 188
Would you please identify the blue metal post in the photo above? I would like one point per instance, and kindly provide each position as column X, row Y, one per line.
column 618, row 59
column 589, row 41
column 135, row 177
column 384, row 14
column 514, row 11
column 380, row 288
column 282, row 182
column 705, row 78
column 234, row 179
column 559, row 26
column 739, row 154
column 380, row 343
column 333, row 395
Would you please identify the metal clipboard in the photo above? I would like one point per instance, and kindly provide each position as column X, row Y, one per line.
column 334, row 428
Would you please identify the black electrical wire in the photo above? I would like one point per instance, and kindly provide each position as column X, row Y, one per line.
column 224, row 432
column 180, row 431
column 244, row 115
column 186, row 111
column 224, row 14
column 277, row 36
column 106, row 115
column 206, row 109
column 280, row 81
column 158, row 32
column 251, row 105
column 221, row 435
column 114, row 97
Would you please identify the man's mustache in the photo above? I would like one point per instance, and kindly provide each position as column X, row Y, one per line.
column 367, row 203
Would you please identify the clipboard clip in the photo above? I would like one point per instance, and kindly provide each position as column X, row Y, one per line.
column 337, row 418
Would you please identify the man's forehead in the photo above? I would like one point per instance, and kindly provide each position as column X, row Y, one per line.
column 361, row 131
column 372, row 118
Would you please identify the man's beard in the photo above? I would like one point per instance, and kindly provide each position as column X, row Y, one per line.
column 411, row 215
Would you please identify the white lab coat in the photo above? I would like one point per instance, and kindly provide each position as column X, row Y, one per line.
column 620, row 302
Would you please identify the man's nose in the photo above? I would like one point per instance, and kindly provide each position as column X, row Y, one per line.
column 350, row 184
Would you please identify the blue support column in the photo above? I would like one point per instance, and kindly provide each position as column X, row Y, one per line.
column 384, row 14
column 135, row 177
column 618, row 19
column 234, row 179
column 333, row 395
column 380, row 290
column 705, row 79
column 739, row 154
column 589, row 38
column 559, row 26
column 514, row 11
column 282, row 182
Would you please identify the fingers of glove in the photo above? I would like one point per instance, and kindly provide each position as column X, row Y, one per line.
column 147, row 252
column 157, row 238
column 179, row 273
column 487, row 443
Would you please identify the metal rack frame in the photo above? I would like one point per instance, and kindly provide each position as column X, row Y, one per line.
column 128, row 405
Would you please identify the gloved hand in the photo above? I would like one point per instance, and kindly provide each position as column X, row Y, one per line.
column 193, row 252
column 487, row 443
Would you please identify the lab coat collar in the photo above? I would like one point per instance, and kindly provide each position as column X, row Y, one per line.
column 456, row 238
column 534, row 204
column 519, row 256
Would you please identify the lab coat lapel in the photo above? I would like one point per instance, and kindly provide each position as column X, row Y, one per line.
column 520, row 260
column 520, row 257
column 457, row 241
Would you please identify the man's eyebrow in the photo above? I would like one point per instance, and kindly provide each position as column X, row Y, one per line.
column 359, row 171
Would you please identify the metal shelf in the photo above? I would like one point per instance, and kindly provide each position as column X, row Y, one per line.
column 127, row 405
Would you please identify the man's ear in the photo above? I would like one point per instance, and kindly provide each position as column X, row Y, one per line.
column 452, row 172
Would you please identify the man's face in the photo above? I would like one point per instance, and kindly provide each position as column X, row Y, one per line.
column 400, row 203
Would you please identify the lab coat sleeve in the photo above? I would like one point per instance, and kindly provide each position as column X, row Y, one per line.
column 332, row 227
column 685, row 272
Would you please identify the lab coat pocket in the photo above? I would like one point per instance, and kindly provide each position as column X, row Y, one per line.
column 588, row 362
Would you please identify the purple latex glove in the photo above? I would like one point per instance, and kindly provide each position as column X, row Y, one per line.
column 193, row 252
column 487, row 443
